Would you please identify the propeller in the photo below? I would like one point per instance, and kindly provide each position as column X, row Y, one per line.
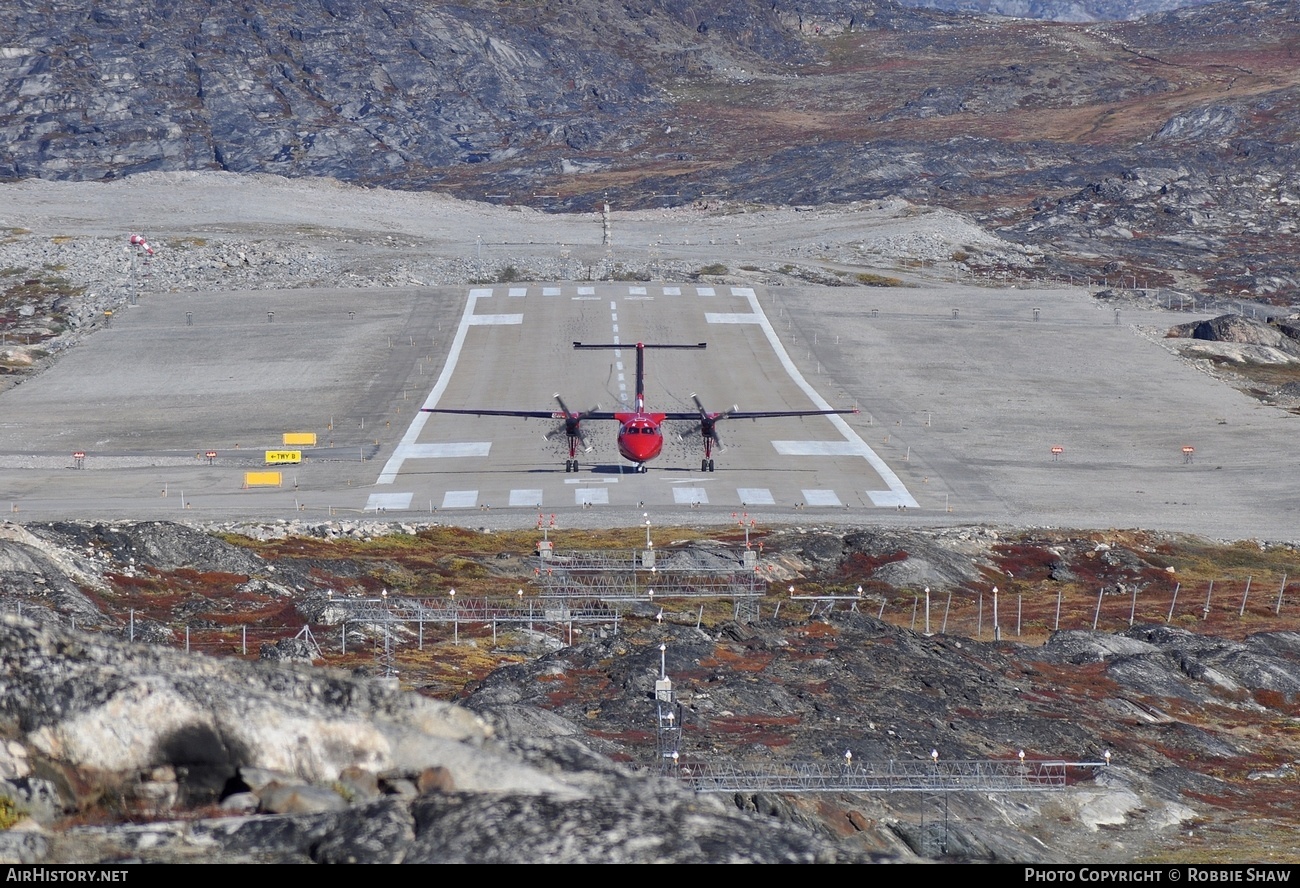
column 707, row 427
column 572, row 425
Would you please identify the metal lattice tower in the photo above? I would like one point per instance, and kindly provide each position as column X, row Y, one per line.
column 669, row 717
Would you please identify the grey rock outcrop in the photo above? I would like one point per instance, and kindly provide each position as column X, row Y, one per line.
column 325, row 758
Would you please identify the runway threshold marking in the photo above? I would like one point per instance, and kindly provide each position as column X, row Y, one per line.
column 383, row 501
column 755, row 496
column 591, row 496
column 460, row 499
column 897, row 494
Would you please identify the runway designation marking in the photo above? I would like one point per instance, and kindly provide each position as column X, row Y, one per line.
column 672, row 291
column 821, row 498
column 690, row 495
column 460, row 499
column 755, row 496
column 526, row 498
column 385, row 501
column 712, row 317
column 855, row 446
column 518, row 292
column 704, row 291
column 591, row 496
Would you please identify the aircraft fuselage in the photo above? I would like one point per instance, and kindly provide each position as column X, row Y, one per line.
column 640, row 438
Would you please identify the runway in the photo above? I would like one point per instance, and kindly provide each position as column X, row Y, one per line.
column 965, row 392
column 513, row 350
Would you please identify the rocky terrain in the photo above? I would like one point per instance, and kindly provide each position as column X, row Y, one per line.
column 520, row 745
column 1059, row 10
column 1157, row 152
column 861, row 144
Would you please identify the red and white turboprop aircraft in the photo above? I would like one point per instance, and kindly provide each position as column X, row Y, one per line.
column 640, row 433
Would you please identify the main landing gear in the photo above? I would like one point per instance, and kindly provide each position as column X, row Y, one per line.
column 706, row 465
column 570, row 465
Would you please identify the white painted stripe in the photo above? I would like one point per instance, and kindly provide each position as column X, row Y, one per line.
column 690, row 495
column 641, row 298
column 821, row 498
column 672, row 291
column 821, row 448
column 550, row 291
column 636, row 291
column 889, row 498
column 448, row 451
column 394, row 464
column 591, row 496
column 755, row 496
column 746, row 292
column 517, row 292
column 586, row 291
column 495, row 320
column 460, row 499
column 616, row 328
column 703, row 291
column 884, row 471
column 586, row 298
column 526, row 498
column 714, row 317
column 395, row 501
column 590, row 480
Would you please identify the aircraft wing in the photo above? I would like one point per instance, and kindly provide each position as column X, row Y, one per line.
column 525, row 414
column 760, row 414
